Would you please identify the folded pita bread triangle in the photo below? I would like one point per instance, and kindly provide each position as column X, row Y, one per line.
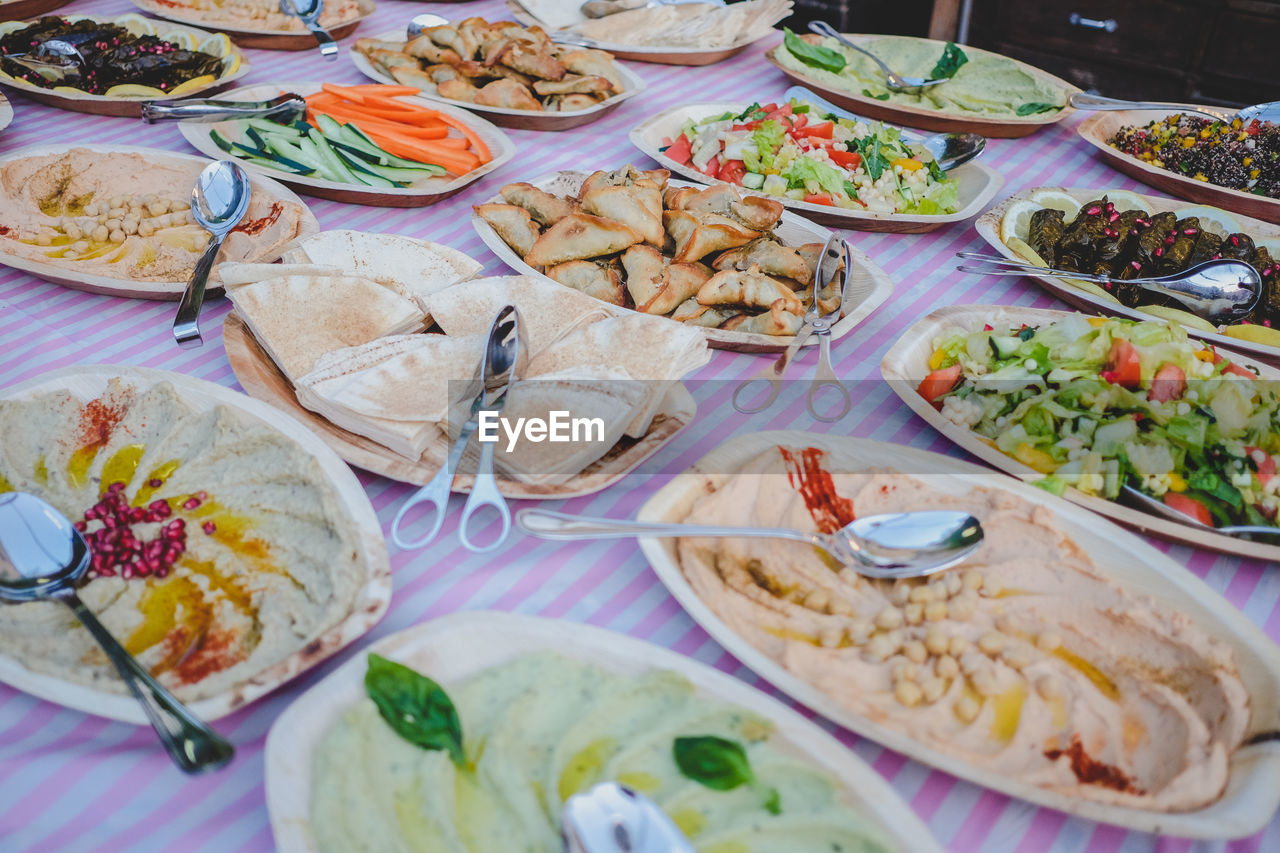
column 235, row 273
column 297, row 319
column 411, row 267
column 545, row 308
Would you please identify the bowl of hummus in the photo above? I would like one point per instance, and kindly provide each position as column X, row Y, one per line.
column 260, row 23
column 117, row 219
column 231, row 549
column 986, row 93
column 1067, row 662
column 545, row 709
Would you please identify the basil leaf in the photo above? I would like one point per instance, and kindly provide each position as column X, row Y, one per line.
column 872, row 161
column 773, row 802
column 713, row 762
column 883, row 97
column 1036, row 107
column 748, row 111
column 415, row 707
column 949, row 63
column 813, row 54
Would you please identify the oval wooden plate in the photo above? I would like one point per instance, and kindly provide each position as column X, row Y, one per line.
column 1253, row 791
column 906, row 364
column 504, row 117
column 86, row 382
column 1101, row 126
column 261, row 38
column 83, row 102
column 1003, row 126
column 260, row 378
column 18, row 10
column 976, row 183
column 6, row 112
column 694, row 56
column 988, row 226
column 128, row 287
column 869, row 286
column 456, row 647
column 420, row 194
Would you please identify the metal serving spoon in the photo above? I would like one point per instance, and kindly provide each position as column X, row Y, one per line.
column 425, row 21
column 308, row 11
column 218, row 202
column 53, row 59
column 1269, row 111
column 1158, row 507
column 893, row 545
column 287, row 106
column 612, row 818
column 1220, row 291
column 42, row 556
column 603, row 8
column 896, row 81
column 948, row 149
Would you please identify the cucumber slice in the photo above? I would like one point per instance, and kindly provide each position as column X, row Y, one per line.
column 220, row 141
column 268, row 127
column 332, row 160
column 366, row 174
column 313, row 157
column 753, row 180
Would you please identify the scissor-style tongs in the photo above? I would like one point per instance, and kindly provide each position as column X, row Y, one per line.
column 836, row 261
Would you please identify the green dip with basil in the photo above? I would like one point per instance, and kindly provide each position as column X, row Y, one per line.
column 984, row 84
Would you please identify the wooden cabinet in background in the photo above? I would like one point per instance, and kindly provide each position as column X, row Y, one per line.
column 1214, row 51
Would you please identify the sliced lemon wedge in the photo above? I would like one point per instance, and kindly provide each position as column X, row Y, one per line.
column 1177, row 315
column 192, row 85
column 136, row 24
column 1058, row 200
column 1016, row 223
column 133, row 90
column 217, row 44
column 1125, row 200
column 1254, row 333
column 181, row 38
column 1212, row 219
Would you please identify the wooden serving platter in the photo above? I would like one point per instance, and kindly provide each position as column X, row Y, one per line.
column 83, row 102
column 925, row 119
column 129, row 288
column 692, row 56
column 262, row 379
column 1101, row 126
column 263, row 39
column 976, row 183
column 6, row 112
column 868, row 287
column 1253, row 791
column 19, row 10
column 906, row 364
column 420, row 194
column 456, row 647
column 988, row 227
column 86, row 382
column 503, row 116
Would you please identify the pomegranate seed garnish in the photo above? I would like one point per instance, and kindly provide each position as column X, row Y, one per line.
column 191, row 503
column 81, row 526
column 209, row 527
column 155, row 482
column 115, row 487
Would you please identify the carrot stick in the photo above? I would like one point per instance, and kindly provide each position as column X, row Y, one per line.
column 482, row 150
column 459, row 143
column 343, row 92
column 366, row 123
column 385, row 89
column 458, row 162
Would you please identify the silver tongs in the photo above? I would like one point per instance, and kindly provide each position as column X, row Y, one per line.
column 288, row 105
column 836, row 260
column 504, row 358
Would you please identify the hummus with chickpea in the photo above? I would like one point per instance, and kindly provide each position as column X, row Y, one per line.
column 1028, row 661
column 125, row 216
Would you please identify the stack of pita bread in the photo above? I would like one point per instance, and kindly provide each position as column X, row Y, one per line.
column 688, row 26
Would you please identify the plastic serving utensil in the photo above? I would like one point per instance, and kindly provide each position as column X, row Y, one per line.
column 896, row 81
column 893, row 545
column 308, row 11
column 218, row 202
column 1269, row 111
column 42, row 556
column 504, row 357
column 1220, row 291
column 948, row 149
column 612, row 818
column 835, row 257
column 287, row 106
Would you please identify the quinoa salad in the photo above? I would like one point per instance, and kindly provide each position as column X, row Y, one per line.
column 1237, row 155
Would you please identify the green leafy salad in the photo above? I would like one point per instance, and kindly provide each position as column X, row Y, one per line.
column 1098, row 403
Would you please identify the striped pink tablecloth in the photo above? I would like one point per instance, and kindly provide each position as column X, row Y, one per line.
column 71, row 782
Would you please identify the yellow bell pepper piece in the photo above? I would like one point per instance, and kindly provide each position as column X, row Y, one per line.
column 1205, row 355
column 935, row 360
column 907, row 164
column 1035, row 459
column 1176, row 482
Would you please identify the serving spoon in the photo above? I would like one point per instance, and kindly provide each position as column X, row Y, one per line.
column 892, row 545
column 612, row 818
column 1269, row 111
column 308, row 11
column 425, row 21
column 948, row 149
column 42, row 556
column 53, row 59
column 218, row 202
column 1161, row 508
column 1220, row 291
column 896, row 82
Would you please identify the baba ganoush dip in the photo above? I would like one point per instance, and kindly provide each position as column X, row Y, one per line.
column 219, row 546
column 1027, row 662
column 126, row 216
column 542, row 727
column 987, row 84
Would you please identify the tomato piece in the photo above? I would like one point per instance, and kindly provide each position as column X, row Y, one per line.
column 849, row 159
column 751, row 125
column 712, row 169
column 939, row 382
column 680, row 150
column 779, row 112
column 732, row 171
column 770, row 107
column 1266, row 468
column 799, row 119
column 1237, row 370
column 819, row 198
column 823, row 130
column 1168, row 384
column 1188, row 506
column 1124, row 367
